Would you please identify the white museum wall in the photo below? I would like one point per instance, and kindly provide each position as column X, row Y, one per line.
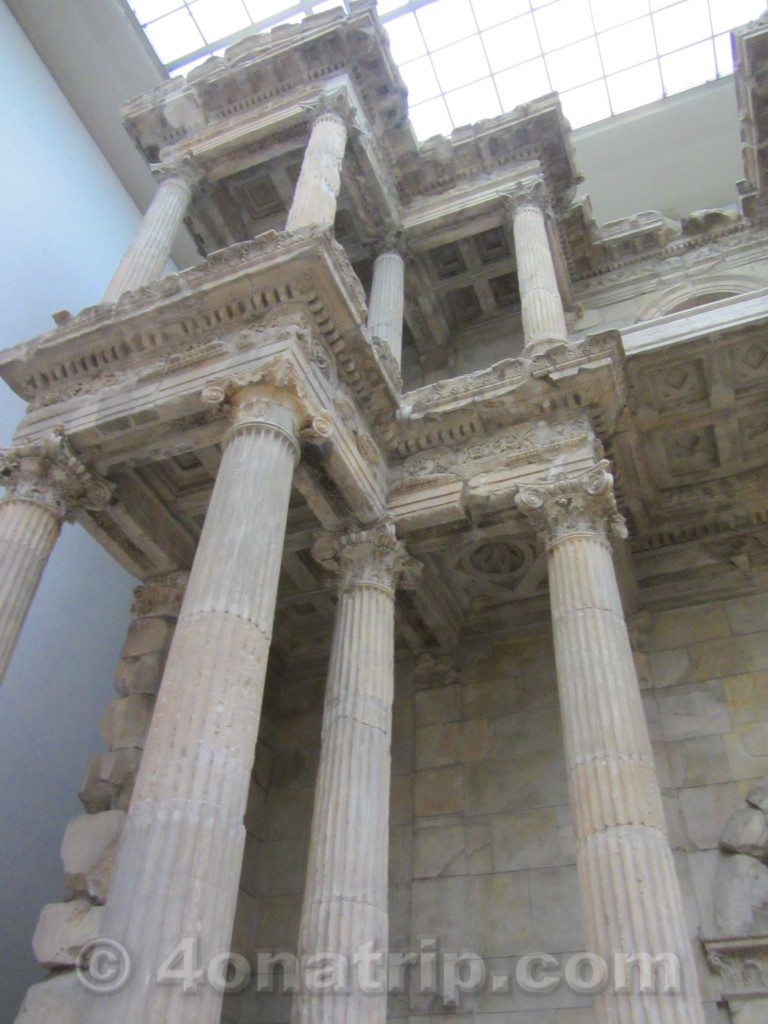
column 65, row 220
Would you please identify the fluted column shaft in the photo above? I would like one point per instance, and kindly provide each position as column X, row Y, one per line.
column 385, row 310
column 542, row 306
column 345, row 900
column 629, row 887
column 314, row 201
column 28, row 532
column 150, row 248
column 180, row 856
column 46, row 481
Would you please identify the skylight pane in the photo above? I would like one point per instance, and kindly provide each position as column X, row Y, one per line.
column 688, row 67
column 728, row 14
column 460, row 64
column 633, row 88
column 563, row 22
column 607, row 13
column 174, row 35
column 446, row 21
column 150, row 10
column 405, row 39
column 219, row 18
column 261, row 10
column 574, row 65
column 420, row 78
column 587, row 104
column 490, row 12
column 523, row 83
column 724, row 54
column 473, row 103
column 628, row 45
column 678, row 26
column 431, row 118
column 512, row 43
column 387, row 6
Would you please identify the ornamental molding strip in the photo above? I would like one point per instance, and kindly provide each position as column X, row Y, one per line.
column 51, row 473
column 583, row 503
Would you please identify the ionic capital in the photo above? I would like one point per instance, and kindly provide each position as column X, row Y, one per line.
column 185, row 171
column 333, row 106
column 533, row 193
column 255, row 396
column 50, row 473
column 580, row 504
column 160, row 595
column 372, row 557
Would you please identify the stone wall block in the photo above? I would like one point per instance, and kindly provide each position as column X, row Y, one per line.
column 741, row 896
column 126, row 720
column 141, row 674
column 107, row 783
column 147, row 635
column 746, row 832
column 62, row 931
column 88, row 853
column 57, row 1000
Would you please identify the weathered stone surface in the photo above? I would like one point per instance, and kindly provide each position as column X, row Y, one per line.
column 146, row 636
column 747, row 697
column 747, row 614
column 439, row 791
column 62, row 931
column 730, row 656
column 59, row 999
column 88, row 853
column 746, row 832
column 706, row 810
column 741, row 896
column 438, row 705
column 140, row 675
column 683, row 626
column 690, row 711
column 126, row 720
column 107, row 783
column 700, row 761
column 670, row 668
column 527, row 839
column 758, row 797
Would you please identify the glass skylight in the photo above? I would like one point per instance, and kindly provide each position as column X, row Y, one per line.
column 465, row 60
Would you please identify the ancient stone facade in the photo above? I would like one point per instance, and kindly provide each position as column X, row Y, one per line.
column 449, row 513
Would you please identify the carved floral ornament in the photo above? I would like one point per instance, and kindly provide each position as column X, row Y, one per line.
column 526, row 194
column 51, row 473
column 185, row 171
column 371, row 557
column 333, row 105
column 582, row 503
column 279, row 373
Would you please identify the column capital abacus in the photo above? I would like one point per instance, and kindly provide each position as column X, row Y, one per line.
column 160, row 595
column 248, row 397
column 532, row 193
column 583, row 503
column 50, row 473
column 186, row 171
column 371, row 557
column 334, row 106
column 391, row 244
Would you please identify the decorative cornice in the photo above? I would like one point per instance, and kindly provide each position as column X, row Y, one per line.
column 372, row 557
column 50, row 473
column 582, row 503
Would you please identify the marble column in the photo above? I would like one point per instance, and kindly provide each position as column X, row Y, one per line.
column 317, row 190
column 629, row 888
column 45, row 482
column 345, row 900
column 178, row 868
column 542, row 307
column 149, row 251
column 385, row 310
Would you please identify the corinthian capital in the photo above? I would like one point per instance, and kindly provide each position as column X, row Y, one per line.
column 335, row 105
column 526, row 193
column 186, row 171
column 50, row 473
column 372, row 557
column 582, row 503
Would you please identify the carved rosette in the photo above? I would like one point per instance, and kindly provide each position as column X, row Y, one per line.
column 278, row 375
column 160, row 595
column 579, row 504
column 50, row 473
column 373, row 557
